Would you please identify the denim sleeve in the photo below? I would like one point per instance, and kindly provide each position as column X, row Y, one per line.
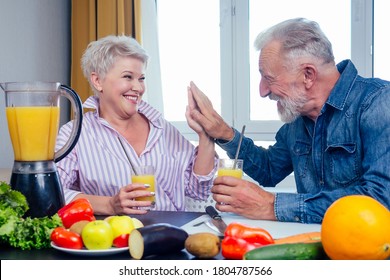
column 230, row 147
column 294, row 207
column 289, row 207
column 266, row 166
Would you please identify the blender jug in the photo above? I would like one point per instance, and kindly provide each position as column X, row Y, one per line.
column 33, row 113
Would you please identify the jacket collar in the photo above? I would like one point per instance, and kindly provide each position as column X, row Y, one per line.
column 339, row 94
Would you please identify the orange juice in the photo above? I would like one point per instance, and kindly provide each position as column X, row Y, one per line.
column 230, row 172
column 33, row 132
column 145, row 179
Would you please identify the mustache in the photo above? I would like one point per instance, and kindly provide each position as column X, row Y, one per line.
column 273, row 96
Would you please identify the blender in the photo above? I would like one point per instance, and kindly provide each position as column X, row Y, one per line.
column 33, row 115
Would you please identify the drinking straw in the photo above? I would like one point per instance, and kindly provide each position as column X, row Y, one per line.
column 238, row 147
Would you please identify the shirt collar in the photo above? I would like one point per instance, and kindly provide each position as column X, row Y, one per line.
column 339, row 94
column 144, row 108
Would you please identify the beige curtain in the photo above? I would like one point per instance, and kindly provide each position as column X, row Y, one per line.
column 94, row 19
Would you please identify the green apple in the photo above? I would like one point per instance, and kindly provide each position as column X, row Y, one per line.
column 121, row 225
column 97, row 235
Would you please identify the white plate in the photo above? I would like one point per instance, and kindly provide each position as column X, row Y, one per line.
column 86, row 252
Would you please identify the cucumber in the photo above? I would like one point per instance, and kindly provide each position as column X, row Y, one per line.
column 288, row 251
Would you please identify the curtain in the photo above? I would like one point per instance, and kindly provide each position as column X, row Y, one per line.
column 94, row 19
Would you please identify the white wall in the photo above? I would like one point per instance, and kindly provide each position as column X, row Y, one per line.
column 34, row 46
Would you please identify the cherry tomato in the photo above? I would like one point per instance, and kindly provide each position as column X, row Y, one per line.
column 65, row 238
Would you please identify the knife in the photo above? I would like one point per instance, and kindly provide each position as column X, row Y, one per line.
column 216, row 219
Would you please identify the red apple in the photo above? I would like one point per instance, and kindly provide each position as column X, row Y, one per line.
column 121, row 240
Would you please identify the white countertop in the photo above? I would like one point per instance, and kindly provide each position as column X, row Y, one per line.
column 276, row 229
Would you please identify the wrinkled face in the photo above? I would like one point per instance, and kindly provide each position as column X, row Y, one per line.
column 280, row 83
column 122, row 87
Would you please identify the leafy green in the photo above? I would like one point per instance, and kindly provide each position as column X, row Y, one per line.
column 20, row 232
column 34, row 233
column 12, row 199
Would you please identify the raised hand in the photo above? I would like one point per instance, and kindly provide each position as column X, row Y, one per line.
column 202, row 112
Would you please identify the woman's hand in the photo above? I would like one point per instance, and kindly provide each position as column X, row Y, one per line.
column 191, row 107
column 124, row 203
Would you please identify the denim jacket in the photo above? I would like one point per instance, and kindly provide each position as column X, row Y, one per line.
column 345, row 151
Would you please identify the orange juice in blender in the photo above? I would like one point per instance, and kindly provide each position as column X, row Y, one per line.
column 33, row 131
column 33, row 112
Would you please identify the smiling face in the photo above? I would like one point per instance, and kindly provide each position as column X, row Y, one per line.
column 121, row 89
column 281, row 83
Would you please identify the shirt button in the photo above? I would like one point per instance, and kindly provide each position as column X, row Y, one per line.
column 296, row 218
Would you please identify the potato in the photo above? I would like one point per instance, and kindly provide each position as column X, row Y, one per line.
column 203, row 245
column 77, row 227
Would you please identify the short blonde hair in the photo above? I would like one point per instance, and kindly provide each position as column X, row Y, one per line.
column 101, row 55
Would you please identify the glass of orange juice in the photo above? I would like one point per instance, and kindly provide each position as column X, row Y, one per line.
column 145, row 175
column 226, row 167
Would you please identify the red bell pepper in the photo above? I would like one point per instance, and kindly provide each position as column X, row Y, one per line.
column 239, row 239
column 77, row 210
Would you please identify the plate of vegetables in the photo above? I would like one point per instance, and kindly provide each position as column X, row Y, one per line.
column 82, row 234
column 85, row 252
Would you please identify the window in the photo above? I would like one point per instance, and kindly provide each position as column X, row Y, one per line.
column 211, row 43
column 381, row 42
column 189, row 51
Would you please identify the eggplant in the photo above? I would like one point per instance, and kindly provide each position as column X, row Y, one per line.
column 156, row 239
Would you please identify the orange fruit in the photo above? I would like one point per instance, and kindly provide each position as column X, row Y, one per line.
column 356, row 227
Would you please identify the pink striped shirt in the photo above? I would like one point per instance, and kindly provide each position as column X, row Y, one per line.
column 98, row 164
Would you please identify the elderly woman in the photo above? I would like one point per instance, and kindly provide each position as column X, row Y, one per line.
column 123, row 132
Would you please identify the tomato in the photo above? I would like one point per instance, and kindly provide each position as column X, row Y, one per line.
column 121, row 240
column 65, row 238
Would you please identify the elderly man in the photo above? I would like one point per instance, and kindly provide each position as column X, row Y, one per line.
column 335, row 138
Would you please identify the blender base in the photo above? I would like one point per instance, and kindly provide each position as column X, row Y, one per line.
column 43, row 190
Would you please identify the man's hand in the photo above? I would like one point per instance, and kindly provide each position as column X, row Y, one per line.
column 243, row 197
column 200, row 110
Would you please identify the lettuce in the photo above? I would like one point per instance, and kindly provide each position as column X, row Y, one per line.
column 33, row 233
column 19, row 231
column 12, row 199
